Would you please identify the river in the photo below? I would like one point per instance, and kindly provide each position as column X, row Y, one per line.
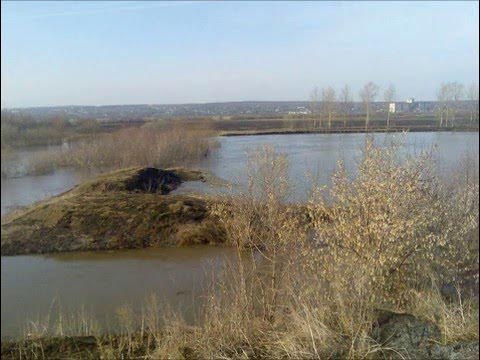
column 38, row 285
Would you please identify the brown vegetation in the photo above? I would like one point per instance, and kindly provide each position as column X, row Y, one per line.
column 360, row 279
column 156, row 144
column 23, row 131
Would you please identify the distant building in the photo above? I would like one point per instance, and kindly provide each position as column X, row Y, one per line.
column 300, row 110
column 410, row 101
column 391, row 108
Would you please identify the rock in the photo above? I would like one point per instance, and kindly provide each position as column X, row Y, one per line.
column 406, row 335
column 449, row 292
column 459, row 351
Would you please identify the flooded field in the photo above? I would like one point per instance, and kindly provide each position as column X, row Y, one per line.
column 311, row 157
column 34, row 286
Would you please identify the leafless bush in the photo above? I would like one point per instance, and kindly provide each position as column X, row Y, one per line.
column 146, row 146
column 394, row 222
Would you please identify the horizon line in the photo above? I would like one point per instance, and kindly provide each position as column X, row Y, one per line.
column 199, row 103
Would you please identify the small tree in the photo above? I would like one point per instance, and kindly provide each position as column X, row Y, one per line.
column 472, row 95
column 442, row 97
column 328, row 104
column 368, row 94
column 314, row 101
column 457, row 91
column 395, row 223
column 448, row 96
column 346, row 100
column 389, row 96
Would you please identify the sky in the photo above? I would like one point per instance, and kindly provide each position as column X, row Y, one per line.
column 105, row 53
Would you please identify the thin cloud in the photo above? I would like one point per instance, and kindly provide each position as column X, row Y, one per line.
column 98, row 11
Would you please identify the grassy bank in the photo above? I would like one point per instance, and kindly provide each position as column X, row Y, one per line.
column 340, row 124
column 340, row 130
column 172, row 142
column 123, row 209
column 385, row 267
column 21, row 131
column 301, row 335
column 308, row 333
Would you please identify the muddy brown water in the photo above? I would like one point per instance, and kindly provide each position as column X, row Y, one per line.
column 35, row 286
column 99, row 283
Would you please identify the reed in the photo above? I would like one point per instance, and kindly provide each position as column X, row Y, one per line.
column 147, row 146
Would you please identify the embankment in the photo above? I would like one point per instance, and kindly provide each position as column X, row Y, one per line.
column 347, row 130
column 128, row 208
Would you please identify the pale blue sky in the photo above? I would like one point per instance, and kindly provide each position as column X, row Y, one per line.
column 93, row 53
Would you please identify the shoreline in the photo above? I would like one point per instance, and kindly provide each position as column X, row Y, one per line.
column 351, row 130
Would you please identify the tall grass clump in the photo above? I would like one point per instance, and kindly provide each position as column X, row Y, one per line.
column 245, row 308
column 156, row 144
column 146, row 146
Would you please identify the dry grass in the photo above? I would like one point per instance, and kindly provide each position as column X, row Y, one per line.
column 305, row 296
column 458, row 318
column 166, row 146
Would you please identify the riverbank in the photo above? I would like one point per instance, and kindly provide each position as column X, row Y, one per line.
column 348, row 130
column 397, row 336
column 123, row 209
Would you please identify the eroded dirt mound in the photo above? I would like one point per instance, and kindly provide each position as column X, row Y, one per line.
column 123, row 209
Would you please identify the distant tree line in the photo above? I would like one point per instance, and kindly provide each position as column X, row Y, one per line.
column 326, row 107
column 449, row 94
column 19, row 129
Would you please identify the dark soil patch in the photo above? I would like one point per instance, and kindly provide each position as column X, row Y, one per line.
column 154, row 180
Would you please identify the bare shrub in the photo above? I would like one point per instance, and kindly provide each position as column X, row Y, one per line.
column 378, row 239
column 140, row 147
column 262, row 222
column 279, row 305
column 394, row 222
